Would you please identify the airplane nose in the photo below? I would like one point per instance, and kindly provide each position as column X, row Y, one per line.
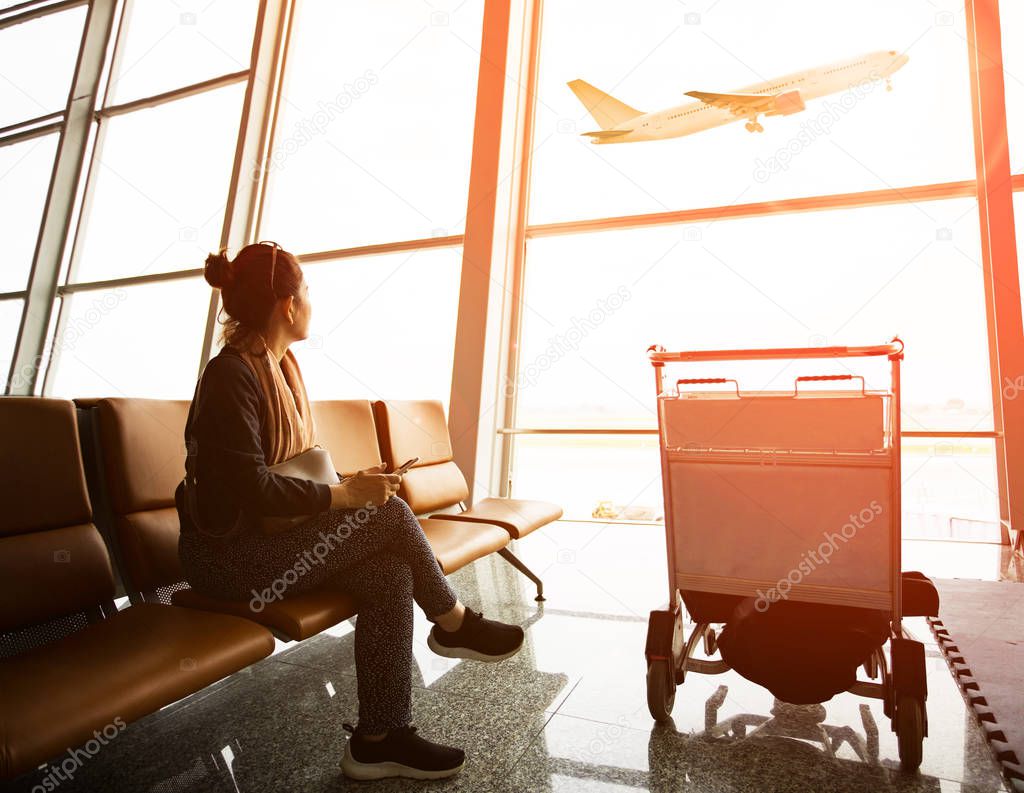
column 894, row 61
column 898, row 60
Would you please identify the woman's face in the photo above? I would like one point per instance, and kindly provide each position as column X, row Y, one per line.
column 303, row 312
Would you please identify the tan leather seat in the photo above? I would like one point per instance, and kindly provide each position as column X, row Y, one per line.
column 54, row 565
column 457, row 543
column 142, row 444
column 408, row 429
column 345, row 428
column 297, row 616
column 125, row 667
column 306, row 614
column 143, row 454
column 517, row 516
column 142, row 449
column 348, row 429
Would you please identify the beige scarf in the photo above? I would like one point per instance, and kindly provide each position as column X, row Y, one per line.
column 290, row 429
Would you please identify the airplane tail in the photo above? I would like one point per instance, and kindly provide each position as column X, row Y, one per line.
column 606, row 110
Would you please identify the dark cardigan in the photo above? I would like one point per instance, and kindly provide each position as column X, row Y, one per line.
column 224, row 431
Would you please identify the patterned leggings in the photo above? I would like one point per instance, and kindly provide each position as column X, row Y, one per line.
column 378, row 555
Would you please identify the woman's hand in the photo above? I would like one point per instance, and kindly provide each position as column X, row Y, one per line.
column 369, row 486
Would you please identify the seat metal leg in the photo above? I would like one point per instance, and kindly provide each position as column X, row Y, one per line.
column 517, row 563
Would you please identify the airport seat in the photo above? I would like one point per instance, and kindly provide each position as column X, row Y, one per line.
column 306, row 614
column 347, row 428
column 295, row 617
column 142, row 457
column 72, row 663
column 417, row 428
column 457, row 544
column 519, row 517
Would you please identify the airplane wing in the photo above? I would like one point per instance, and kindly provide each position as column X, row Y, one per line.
column 608, row 133
column 739, row 104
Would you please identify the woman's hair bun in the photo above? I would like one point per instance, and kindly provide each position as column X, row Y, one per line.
column 219, row 270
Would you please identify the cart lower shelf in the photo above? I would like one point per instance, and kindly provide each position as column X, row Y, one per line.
column 897, row 677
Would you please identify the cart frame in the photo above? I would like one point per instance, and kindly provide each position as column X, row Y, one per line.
column 670, row 653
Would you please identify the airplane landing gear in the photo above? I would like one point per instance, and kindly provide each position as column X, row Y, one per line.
column 753, row 126
column 888, row 84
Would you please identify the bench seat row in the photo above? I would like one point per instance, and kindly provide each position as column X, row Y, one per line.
column 115, row 463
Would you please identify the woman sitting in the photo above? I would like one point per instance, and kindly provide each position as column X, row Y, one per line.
column 251, row 411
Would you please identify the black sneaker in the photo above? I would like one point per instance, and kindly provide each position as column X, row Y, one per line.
column 400, row 753
column 477, row 638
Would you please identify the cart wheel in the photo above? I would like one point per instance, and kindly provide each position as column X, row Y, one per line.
column 710, row 641
column 661, row 690
column 909, row 723
column 871, row 666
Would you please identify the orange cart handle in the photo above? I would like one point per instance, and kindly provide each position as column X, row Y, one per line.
column 659, row 356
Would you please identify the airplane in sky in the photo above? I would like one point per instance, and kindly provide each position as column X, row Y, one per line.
column 621, row 123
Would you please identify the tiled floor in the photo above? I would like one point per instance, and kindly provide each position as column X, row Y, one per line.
column 567, row 713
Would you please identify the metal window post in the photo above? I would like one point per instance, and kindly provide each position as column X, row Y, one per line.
column 520, row 185
column 999, row 253
column 492, row 247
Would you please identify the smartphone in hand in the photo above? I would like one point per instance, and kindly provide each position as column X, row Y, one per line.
column 406, row 466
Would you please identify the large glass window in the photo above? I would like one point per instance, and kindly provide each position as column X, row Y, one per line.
column 159, row 187
column 950, row 489
column 372, row 145
column 859, row 136
column 376, row 123
column 137, row 341
column 880, row 101
column 169, row 44
column 1011, row 21
column 591, row 476
column 595, row 302
column 37, row 62
column 25, row 170
column 154, row 202
column 949, row 485
column 383, row 327
column 10, row 319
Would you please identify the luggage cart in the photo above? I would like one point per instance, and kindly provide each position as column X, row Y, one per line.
column 751, row 481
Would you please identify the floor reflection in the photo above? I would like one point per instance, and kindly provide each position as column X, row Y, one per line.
column 788, row 748
column 799, row 722
column 568, row 713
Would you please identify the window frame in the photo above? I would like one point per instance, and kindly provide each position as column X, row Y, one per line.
column 993, row 187
column 494, row 242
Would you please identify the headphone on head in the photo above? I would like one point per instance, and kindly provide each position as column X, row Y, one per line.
column 273, row 261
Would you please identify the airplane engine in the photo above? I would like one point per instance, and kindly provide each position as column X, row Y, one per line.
column 787, row 102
